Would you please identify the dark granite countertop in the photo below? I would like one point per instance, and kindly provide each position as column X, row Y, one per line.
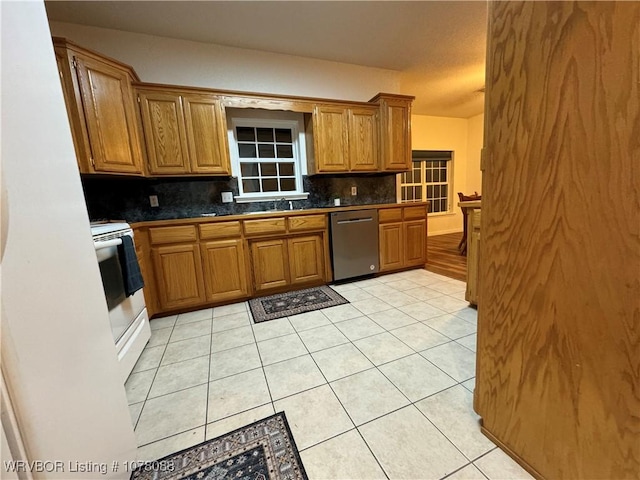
column 203, row 218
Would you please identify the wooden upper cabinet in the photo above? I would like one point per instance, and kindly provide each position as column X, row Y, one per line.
column 346, row 138
column 164, row 132
column 363, row 139
column 184, row 134
column 330, row 138
column 395, row 131
column 101, row 109
column 206, row 128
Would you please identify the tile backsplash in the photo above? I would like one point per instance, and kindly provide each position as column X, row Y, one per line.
column 117, row 198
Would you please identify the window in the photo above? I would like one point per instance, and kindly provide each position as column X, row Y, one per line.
column 267, row 158
column 428, row 179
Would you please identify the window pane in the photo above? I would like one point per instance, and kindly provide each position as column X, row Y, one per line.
column 265, row 134
column 418, row 195
column 268, row 170
column 436, row 175
column 283, row 135
column 246, row 150
column 270, row 185
column 286, row 169
column 429, row 191
column 429, row 176
column 417, row 175
column 443, row 175
column 249, row 169
column 251, row 186
column 287, row 184
column 436, row 191
column 266, row 150
column 246, row 134
column 444, row 191
column 284, row 151
column 443, row 205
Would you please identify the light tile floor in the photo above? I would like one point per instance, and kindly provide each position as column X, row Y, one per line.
column 378, row 388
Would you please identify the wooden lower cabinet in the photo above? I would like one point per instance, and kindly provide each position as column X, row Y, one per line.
column 270, row 264
column 415, row 242
column 306, row 259
column 225, row 275
column 391, row 246
column 403, row 244
column 280, row 262
column 179, row 278
column 473, row 255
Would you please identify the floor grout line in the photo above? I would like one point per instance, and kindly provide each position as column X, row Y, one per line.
column 348, row 341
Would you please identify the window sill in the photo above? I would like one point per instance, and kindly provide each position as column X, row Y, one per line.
column 271, row 198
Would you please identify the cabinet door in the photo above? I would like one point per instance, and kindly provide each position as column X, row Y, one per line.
column 164, row 133
column 225, row 276
column 270, row 264
column 206, row 129
column 391, row 251
column 396, row 134
column 330, row 137
column 473, row 255
column 306, row 259
column 110, row 117
column 363, row 139
column 178, row 271
column 415, row 242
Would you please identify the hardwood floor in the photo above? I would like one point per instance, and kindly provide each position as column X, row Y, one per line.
column 444, row 258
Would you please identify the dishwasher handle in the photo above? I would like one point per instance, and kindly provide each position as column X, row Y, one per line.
column 355, row 220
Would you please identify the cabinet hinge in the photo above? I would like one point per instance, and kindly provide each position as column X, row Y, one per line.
column 93, row 163
column 74, row 63
column 138, row 98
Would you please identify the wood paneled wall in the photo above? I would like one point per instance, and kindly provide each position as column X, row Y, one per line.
column 558, row 375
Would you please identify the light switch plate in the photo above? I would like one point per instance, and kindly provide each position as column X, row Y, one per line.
column 227, row 197
column 354, row 191
column 153, row 200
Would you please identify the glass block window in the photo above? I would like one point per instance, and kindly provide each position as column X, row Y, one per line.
column 428, row 179
column 267, row 158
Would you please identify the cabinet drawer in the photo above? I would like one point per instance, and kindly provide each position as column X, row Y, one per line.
column 414, row 212
column 210, row 231
column 307, row 222
column 264, row 226
column 183, row 233
column 389, row 215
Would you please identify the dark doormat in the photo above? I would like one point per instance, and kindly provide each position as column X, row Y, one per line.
column 263, row 450
column 293, row 303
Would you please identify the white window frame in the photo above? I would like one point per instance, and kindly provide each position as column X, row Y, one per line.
column 265, row 120
column 424, row 184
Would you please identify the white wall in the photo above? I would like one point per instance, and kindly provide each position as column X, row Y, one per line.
column 58, row 353
column 445, row 133
column 181, row 62
column 474, row 150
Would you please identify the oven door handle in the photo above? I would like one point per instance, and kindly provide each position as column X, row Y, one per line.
column 107, row 243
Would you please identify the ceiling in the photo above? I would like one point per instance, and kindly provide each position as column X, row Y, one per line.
column 438, row 48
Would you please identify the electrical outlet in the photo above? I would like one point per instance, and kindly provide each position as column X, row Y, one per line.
column 153, row 200
column 227, row 197
column 354, row 191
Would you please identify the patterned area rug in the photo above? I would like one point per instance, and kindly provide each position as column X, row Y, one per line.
column 292, row 303
column 264, row 450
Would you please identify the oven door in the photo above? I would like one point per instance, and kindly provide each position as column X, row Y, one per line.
column 123, row 310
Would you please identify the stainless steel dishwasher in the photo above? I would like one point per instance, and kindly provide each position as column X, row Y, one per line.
column 354, row 243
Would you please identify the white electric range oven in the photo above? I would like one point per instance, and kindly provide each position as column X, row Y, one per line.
column 127, row 314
